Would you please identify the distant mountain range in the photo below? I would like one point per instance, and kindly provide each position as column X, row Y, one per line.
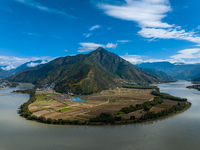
column 177, row 71
column 85, row 74
column 27, row 65
column 4, row 74
column 162, row 75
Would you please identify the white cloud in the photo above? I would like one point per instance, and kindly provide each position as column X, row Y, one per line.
column 86, row 47
column 138, row 59
column 198, row 27
column 123, row 41
column 89, row 47
column 66, row 50
column 87, row 35
column 94, row 27
column 170, row 33
column 91, row 29
column 32, row 64
column 41, row 7
column 8, row 67
column 186, row 56
column 149, row 15
column 111, row 45
column 11, row 62
column 134, row 59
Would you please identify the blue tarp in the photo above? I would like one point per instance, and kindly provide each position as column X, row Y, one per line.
column 76, row 99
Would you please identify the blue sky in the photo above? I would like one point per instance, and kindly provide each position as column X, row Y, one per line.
column 137, row 30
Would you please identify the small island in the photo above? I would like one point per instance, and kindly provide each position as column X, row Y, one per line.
column 127, row 104
column 197, row 87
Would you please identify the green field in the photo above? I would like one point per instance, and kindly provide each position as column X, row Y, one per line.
column 65, row 109
column 65, row 106
column 40, row 96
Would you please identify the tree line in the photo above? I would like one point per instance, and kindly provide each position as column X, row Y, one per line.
column 165, row 112
column 146, row 105
column 167, row 96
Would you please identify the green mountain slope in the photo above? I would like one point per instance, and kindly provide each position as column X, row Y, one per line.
column 88, row 73
column 119, row 67
column 88, row 80
column 162, row 75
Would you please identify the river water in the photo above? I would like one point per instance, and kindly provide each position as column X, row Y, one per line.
column 179, row 132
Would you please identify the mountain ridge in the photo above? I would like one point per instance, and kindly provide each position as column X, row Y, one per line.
column 177, row 71
column 78, row 74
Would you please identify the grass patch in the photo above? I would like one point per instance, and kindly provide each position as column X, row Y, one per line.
column 65, row 106
column 84, row 116
column 119, row 112
column 40, row 96
column 44, row 100
column 40, row 104
column 65, row 109
column 49, row 109
column 167, row 106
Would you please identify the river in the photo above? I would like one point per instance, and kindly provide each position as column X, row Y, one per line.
column 178, row 132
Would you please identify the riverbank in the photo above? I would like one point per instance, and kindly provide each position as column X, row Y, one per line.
column 6, row 85
column 53, row 108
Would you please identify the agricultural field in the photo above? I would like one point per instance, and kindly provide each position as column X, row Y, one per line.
column 51, row 104
column 122, row 104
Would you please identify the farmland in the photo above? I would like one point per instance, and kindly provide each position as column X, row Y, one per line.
column 51, row 104
column 119, row 105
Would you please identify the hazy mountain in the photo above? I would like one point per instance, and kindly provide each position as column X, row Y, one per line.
column 88, row 73
column 4, row 74
column 162, row 75
column 177, row 71
column 27, row 65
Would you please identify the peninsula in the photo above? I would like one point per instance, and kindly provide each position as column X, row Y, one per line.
column 113, row 106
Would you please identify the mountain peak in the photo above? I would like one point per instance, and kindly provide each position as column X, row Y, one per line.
column 100, row 48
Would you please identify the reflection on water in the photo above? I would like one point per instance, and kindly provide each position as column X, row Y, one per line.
column 179, row 132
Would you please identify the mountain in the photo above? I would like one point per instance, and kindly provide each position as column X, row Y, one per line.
column 88, row 73
column 4, row 74
column 27, row 65
column 177, row 71
column 162, row 75
column 196, row 79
